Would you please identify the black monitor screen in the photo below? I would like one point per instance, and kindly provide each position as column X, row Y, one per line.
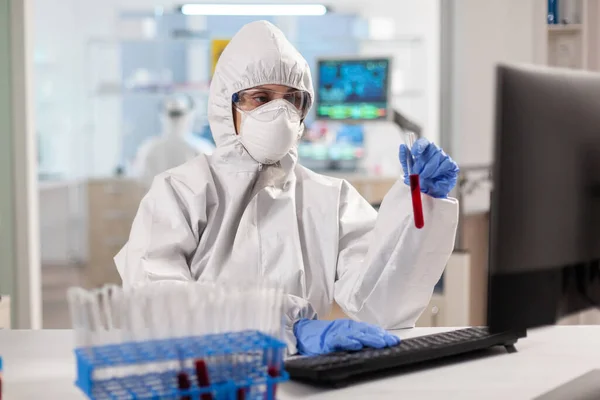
column 353, row 89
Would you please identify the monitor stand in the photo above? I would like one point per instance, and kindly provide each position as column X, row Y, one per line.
column 585, row 387
column 406, row 124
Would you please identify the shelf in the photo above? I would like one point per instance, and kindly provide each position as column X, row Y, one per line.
column 115, row 89
column 565, row 28
column 113, row 41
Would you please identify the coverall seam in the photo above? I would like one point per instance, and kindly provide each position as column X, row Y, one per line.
column 259, row 239
column 148, row 240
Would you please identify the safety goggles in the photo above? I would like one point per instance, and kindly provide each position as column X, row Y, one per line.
column 251, row 99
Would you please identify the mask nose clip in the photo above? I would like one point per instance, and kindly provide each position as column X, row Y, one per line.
column 274, row 110
column 283, row 109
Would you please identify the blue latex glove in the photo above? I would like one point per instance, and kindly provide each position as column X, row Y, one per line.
column 320, row 337
column 437, row 172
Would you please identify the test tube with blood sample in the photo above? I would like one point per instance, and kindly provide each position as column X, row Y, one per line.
column 415, row 186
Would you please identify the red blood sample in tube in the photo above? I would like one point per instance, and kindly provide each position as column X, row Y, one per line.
column 183, row 383
column 202, row 376
column 241, row 394
column 415, row 191
column 273, row 373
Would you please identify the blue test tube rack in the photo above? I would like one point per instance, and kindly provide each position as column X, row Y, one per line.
column 239, row 365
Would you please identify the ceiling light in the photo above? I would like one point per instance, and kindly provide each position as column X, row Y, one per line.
column 253, row 9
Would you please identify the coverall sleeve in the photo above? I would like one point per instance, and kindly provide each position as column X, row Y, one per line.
column 296, row 308
column 162, row 237
column 387, row 268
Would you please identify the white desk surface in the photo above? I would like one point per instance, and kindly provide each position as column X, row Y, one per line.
column 40, row 364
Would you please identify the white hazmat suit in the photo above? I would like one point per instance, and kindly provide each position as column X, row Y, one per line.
column 226, row 216
column 171, row 149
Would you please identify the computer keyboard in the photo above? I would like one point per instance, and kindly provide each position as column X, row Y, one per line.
column 338, row 368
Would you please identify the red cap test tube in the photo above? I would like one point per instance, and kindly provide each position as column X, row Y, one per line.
column 415, row 186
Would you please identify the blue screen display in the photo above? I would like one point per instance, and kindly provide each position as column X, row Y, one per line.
column 353, row 89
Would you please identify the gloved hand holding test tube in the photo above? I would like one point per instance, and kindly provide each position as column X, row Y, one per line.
column 427, row 170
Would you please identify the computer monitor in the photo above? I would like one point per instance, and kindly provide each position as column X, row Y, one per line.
column 353, row 89
column 545, row 203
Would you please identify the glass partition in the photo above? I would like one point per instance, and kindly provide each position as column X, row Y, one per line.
column 129, row 76
column 100, row 92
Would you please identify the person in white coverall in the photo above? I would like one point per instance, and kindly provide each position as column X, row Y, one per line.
column 160, row 153
column 250, row 211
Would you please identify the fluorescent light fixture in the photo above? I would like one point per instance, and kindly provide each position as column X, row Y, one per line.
column 253, row 9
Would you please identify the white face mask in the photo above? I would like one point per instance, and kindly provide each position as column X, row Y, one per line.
column 269, row 132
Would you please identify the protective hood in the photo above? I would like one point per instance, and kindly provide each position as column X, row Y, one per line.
column 259, row 54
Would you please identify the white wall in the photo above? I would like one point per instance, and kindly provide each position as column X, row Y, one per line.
column 420, row 19
column 63, row 210
column 486, row 32
column 64, row 70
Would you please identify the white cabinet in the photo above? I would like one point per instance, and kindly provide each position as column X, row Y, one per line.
column 112, row 205
column 575, row 44
column 86, row 223
column 451, row 307
column 63, row 220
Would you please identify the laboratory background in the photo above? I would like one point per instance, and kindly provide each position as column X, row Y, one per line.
column 106, row 81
